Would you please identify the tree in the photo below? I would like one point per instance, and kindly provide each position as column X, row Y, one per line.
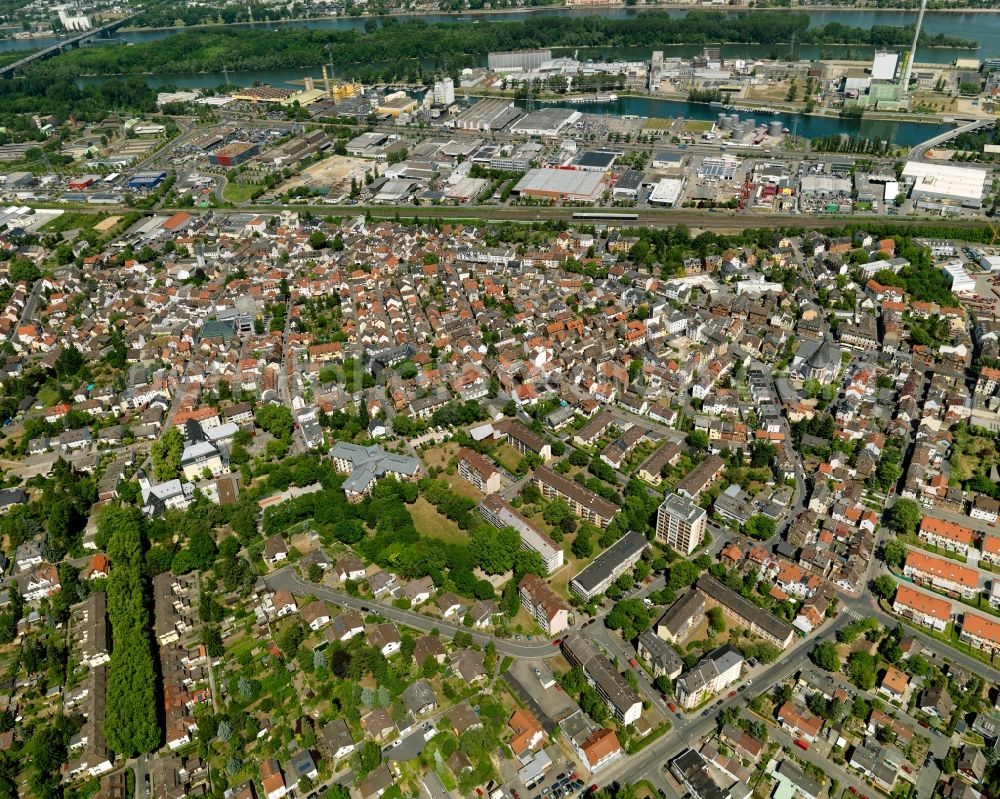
column 317, row 240
column 825, row 656
column 212, row 639
column 716, row 622
column 556, row 511
column 698, row 439
column 368, row 759
column 894, row 553
column 904, row 516
column 884, row 586
column 493, row 549
column 629, row 616
column 69, row 363
column 682, row 574
column 166, row 454
column 131, row 725
column 760, row 527
column 583, row 546
column 862, row 670
column 763, row 454
column 275, row 419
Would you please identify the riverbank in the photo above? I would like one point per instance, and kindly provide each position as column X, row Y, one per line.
column 499, row 13
column 763, row 108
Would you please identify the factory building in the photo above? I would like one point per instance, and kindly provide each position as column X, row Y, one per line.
column 667, row 192
column 595, row 160
column 548, row 122
column 628, row 185
column 234, row 154
column 395, row 104
column 486, row 115
column 961, row 281
column 146, row 180
column 518, row 60
column 941, row 186
column 444, row 92
column 561, row 184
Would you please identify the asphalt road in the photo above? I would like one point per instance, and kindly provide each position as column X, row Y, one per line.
column 689, row 731
column 286, row 579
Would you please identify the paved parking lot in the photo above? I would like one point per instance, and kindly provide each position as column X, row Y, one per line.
column 549, row 705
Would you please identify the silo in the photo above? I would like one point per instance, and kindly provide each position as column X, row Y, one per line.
column 774, row 128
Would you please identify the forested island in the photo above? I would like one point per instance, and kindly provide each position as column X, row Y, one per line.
column 363, row 53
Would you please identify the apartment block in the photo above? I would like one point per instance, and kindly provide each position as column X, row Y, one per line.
column 921, row 608
column 500, row 513
column 477, row 470
column 952, row 578
column 545, row 606
column 583, row 502
column 609, row 565
column 680, row 524
column 619, row 696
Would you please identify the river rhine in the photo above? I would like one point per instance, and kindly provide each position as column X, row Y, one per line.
column 983, row 28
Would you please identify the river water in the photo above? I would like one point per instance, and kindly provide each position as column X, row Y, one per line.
column 983, row 28
column 980, row 27
column 902, row 133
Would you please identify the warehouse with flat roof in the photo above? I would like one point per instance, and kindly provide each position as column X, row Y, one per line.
column 545, row 122
column 518, row 60
column 667, row 192
column 595, row 160
column 940, row 186
column 561, row 184
column 486, row 115
column 234, row 154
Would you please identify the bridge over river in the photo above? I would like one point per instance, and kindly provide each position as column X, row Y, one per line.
column 54, row 49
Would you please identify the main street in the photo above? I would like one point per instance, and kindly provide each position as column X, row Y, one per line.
column 688, row 731
column 286, row 579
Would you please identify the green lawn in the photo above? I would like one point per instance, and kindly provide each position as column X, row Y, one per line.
column 47, row 396
column 508, row 457
column 239, row 192
column 72, row 219
column 697, row 125
column 432, row 524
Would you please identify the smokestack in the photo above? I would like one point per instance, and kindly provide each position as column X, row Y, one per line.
column 913, row 48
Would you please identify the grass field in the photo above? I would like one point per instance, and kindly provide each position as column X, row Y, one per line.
column 697, row 125
column 239, row 192
column 47, row 396
column 656, row 123
column 508, row 457
column 70, row 220
column 432, row 524
column 439, row 454
column 464, row 487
